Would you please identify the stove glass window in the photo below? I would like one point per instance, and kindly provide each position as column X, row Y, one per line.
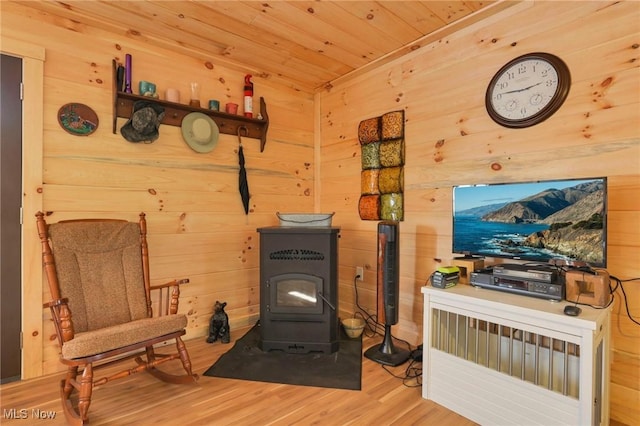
column 296, row 293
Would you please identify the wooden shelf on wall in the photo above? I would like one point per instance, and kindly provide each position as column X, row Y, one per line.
column 175, row 112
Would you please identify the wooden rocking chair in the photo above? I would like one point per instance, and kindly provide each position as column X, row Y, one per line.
column 98, row 274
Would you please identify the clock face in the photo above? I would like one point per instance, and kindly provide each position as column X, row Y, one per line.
column 527, row 90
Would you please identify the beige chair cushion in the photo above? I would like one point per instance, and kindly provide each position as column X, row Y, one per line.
column 118, row 336
column 99, row 268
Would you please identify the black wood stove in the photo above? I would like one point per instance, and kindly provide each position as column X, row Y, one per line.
column 299, row 289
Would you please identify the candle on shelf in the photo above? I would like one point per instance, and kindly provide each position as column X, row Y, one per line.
column 127, row 73
column 195, row 95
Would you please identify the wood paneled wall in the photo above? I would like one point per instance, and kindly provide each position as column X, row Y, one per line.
column 451, row 140
column 196, row 223
column 197, row 226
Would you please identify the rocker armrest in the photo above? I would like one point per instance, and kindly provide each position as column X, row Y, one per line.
column 57, row 302
column 61, row 315
column 170, row 284
column 168, row 296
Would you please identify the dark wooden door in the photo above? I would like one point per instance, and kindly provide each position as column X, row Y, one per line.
column 11, row 202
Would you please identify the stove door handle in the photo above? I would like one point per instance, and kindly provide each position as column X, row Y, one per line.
column 325, row 299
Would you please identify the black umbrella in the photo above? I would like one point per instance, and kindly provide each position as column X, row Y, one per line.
column 243, row 185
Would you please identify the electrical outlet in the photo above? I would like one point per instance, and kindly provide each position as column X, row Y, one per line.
column 360, row 272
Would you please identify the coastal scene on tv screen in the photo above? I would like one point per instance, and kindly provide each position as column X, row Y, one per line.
column 538, row 221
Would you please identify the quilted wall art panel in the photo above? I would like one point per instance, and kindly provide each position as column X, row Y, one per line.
column 382, row 177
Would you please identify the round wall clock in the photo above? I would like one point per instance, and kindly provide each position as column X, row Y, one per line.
column 528, row 90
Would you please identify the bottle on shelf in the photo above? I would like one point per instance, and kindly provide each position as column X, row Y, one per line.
column 248, row 96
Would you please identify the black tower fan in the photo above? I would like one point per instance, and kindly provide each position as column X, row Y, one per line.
column 388, row 288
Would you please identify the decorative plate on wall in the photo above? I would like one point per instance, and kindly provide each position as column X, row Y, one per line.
column 77, row 119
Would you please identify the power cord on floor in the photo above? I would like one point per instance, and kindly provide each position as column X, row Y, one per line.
column 413, row 372
column 412, row 377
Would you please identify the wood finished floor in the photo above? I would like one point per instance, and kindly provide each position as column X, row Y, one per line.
column 142, row 400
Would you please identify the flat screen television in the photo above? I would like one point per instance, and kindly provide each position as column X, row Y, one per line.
column 533, row 221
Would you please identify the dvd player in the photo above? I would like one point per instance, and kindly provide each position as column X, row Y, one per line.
column 537, row 273
column 521, row 279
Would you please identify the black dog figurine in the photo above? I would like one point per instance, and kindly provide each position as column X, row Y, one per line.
column 219, row 325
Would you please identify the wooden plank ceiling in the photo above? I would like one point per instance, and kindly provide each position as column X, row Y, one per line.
column 303, row 44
